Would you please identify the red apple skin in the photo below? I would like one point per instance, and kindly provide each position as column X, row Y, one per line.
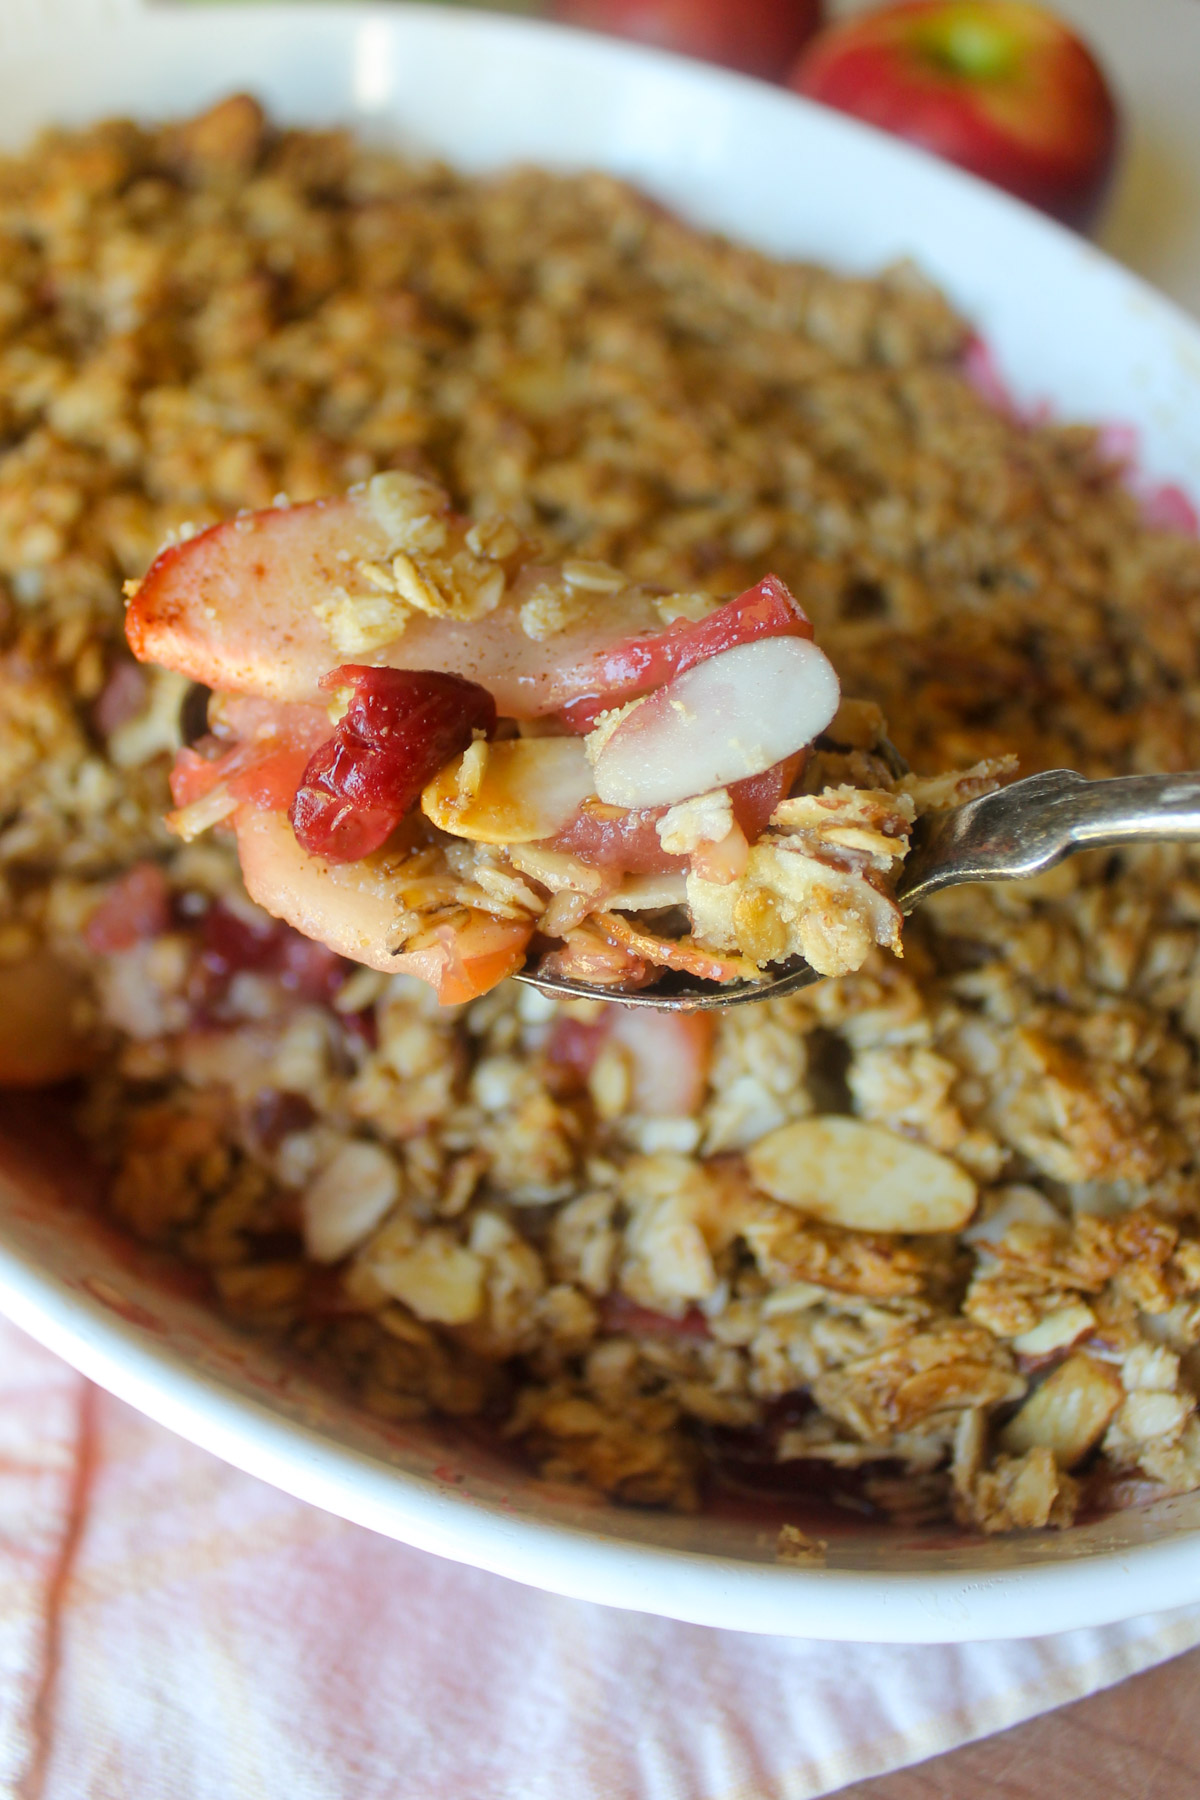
column 1043, row 125
column 757, row 37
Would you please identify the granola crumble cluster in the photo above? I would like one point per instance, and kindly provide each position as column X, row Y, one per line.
column 931, row 1232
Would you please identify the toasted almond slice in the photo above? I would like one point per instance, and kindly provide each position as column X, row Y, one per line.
column 188, row 822
column 675, row 953
column 1056, row 1330
column 643, row 893
column 530, row 788
column 345, row 1202
column 558, row 871
column 1068, row 1413
column 846, row 1173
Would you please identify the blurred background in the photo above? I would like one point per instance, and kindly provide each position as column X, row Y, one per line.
column 1148, row 50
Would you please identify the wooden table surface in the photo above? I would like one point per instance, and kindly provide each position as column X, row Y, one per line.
column 1138, row 1741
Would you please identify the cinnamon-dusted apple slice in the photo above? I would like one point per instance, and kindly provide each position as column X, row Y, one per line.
column 389, row 576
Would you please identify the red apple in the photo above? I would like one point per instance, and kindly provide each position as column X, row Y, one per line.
column 997, row 86
column 759, row 37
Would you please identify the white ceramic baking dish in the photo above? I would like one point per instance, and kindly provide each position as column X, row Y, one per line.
column 1067, row 327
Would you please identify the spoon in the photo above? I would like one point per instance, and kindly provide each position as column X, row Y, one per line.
column 1017, row 831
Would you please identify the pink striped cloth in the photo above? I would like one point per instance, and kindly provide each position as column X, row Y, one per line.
column 171, row 1629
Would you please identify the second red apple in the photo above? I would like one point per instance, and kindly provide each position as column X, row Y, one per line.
column 1000, row 87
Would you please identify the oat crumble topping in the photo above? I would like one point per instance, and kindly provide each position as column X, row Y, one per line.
column 547, row 1213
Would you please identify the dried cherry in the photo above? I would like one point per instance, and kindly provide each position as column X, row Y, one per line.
column 401, row 727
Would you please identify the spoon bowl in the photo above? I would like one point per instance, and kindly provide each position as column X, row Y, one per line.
column 1018, row 831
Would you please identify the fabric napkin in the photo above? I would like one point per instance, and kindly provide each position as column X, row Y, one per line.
column 172, row 1629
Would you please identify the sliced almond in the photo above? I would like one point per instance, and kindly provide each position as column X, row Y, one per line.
column 530, row 788
column 1068, row 1413
column 347, row 1199
column 846, row 1173
column 1056, row 1330
column 644, row 893
column 439, row 1279
column 189, row 822
column 44, row 1037
column 558, row 871
column 723, row 719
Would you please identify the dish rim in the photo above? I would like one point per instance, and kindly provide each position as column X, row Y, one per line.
column 725, row 1592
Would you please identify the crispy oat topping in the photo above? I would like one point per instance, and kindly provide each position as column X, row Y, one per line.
column 519, row 1207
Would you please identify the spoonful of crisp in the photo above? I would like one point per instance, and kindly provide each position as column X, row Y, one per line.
column 1005, row 835
column 445, row 757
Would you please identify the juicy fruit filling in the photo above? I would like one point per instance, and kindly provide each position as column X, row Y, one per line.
column 438, row 752
column 400, row 728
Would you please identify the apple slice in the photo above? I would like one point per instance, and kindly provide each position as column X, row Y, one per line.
column 261, row 605
column 527, row 791
column 614, row 838
column 670, row 1054
column 719, row 722
column 352, row 908
column 232, row 607
column 245, row 606
column 271, row 745
column 461, row 962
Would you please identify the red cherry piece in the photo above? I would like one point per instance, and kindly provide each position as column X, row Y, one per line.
column 611, row 837
column 232, row 943
column 401, row 727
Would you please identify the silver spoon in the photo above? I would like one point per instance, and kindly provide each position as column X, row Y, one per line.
column 1017, row 831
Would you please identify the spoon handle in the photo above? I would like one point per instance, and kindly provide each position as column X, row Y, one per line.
column 1035, row 823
